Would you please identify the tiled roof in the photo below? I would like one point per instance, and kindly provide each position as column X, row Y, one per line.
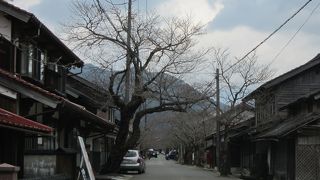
column 13, row 120
column 17, row 78
column 301, row 99
column 78, row 108
column 284, row 77
column 288, row 126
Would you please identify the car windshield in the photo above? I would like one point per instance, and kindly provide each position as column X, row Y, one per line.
column 131, row 154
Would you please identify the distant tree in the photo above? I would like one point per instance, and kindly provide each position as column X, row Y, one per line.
column 152, row 53
column 188, row 131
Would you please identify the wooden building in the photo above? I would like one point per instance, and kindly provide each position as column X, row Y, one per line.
column 34, row 66
column 98, row 101
column 13, row 129
column 238, row 120
column 286, row 135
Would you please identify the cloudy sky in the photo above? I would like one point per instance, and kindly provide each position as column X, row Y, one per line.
column 233, row 24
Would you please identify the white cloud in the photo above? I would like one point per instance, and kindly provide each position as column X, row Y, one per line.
column 201, row 10
column 242, row 39
column 25, row 4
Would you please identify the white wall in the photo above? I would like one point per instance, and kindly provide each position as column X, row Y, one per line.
column 39, row 165
column 5, row 27
column 7, row 92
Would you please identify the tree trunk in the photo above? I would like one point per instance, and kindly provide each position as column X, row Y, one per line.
column 119, row 149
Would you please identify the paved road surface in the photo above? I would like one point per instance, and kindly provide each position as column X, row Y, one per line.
column 161, row 169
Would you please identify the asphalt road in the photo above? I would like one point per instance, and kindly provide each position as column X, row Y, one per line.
column 161, row 169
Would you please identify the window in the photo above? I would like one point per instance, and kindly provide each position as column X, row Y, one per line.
column 131, row 154
column 111, row 115
column 6, row 59
column 32, row 62
column 55, row 78
column 37, row 143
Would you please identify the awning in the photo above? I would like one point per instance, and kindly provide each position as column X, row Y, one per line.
column 14, row 121
column 288, row 126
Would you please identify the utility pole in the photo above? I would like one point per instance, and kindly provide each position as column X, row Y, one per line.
column 129, row 55
column 218, row 142
column 145, row 116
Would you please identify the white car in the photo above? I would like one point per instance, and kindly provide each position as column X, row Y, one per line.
column 133, row 161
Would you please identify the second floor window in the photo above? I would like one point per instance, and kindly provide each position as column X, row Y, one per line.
column 32, row 62
column 5, row 54
column 111, row 115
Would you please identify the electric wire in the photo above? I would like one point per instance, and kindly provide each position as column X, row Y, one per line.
column 294, row 35
column 274, row 32
column 267, row 38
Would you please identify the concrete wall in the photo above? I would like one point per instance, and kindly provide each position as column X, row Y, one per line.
column 39, row 165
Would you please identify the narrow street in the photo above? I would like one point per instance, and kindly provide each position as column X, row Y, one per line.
column 161, row 169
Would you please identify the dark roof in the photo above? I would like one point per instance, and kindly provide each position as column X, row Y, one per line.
column 73, row 79
column 28, row 17
column 301, row 99
column 11, row 120
column 237, row 130
column 79, row 110
column 288, row 126
column 17, row 78
column 290, row 74
column 242, row 107
column 97, row 96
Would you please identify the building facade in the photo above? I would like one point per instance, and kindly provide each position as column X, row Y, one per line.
column 34, row 66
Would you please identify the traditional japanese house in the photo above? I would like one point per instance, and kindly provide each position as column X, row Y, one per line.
column 239, row 120
column 33, row 69
column 13, row 129
column 98, row 101
column 287, row 134
column 49, row 155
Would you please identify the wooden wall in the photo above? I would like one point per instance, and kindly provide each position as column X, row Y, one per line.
column 269, row 101
column 11, row 148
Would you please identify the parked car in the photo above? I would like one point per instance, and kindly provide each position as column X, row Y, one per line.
column 152, row 153
column 133, row 161
column 173, row 154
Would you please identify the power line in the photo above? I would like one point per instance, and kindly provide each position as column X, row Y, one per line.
column 295, row 34
column 275, row 31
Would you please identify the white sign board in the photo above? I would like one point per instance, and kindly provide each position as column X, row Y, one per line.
column 85, row 171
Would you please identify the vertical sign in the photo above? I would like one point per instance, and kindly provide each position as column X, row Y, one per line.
column 85, row 159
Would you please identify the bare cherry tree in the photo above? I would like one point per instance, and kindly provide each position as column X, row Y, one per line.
column 238, row 78
column 152, row 51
